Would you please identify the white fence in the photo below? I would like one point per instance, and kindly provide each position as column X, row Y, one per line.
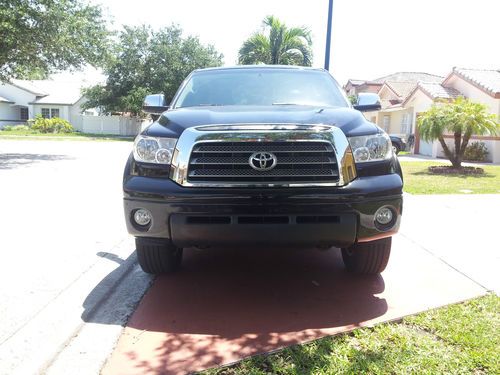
column 117, row 125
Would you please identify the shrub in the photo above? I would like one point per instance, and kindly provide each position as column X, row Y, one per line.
column 476, row 151
column 51, row 125
column 9, row 128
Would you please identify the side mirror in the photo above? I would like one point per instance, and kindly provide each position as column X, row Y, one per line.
column 155, row 104
column 367, row 101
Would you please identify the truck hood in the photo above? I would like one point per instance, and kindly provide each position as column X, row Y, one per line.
column 173, row 122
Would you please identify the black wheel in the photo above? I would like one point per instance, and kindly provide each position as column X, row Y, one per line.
column 367, row 257
column 396, row 148
column 157, row 256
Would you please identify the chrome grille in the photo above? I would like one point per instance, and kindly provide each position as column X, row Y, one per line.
column 297, row 161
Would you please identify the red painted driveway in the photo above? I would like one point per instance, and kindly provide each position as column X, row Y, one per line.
column 229, row 304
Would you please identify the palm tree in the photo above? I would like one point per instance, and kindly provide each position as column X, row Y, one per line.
column 283, row 45
column 462, row 119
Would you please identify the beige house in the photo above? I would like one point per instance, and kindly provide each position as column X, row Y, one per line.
column 394, row 117
column 392, row 89
column 482, row 86
column 355, row 86
column 406, row 94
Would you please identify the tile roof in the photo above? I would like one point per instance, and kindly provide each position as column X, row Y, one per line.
column 410, row 77
column 489, row 80
column 438, row 91
column 356, row 82
column 402, row 89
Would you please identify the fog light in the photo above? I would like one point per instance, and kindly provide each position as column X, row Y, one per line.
column 384, row 216
column 142, row 217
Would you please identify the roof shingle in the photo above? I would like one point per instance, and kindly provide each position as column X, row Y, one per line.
column 410, row 77
column 489, row 80
column 402, row 89
column 438, row 91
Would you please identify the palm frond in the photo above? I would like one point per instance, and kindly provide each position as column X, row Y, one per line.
column 255, row 50
column 281, row 45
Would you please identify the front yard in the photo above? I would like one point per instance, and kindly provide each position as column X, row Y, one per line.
column 458, row 339
column 33, row 135
column 418, row 180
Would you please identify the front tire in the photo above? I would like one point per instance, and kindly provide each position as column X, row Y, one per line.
column 396, row 148
column 157, row 255
column 367, row 257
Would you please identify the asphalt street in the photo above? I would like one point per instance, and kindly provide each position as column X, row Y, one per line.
column 64, row 247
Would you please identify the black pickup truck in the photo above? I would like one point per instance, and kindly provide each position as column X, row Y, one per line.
column 262, row 156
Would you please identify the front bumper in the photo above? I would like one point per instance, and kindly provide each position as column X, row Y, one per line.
column 326, row 216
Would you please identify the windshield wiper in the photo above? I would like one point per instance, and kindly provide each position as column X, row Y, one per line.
column 285, row 103
column 202, row 105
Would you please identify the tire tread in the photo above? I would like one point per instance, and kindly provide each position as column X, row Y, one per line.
column 368, row 257
column 158, row 256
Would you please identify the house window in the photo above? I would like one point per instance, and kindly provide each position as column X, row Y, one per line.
column 23, row 113
column 386, row 122
column 405, row 122
column 50, row 112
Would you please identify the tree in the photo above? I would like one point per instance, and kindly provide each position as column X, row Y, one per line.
column 280, row 45
column 353, row 99
column 463, row 119
column 146, row 62
column 38, row 37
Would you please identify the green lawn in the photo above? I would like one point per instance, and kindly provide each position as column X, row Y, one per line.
column 418, row 180
column 29, row 134
column 459, row 339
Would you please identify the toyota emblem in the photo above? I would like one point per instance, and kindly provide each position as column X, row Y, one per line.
column 262, row 161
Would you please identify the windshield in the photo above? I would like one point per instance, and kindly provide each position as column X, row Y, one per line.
column 261, row 87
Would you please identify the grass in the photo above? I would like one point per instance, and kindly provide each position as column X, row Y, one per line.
column 458, row 339
column 29, row 134
column 418, row 180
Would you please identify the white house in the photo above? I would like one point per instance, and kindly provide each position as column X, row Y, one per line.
column 21, row 100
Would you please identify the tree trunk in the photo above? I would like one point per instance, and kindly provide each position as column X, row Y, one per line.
column 451, row 157
column 465, row 142
column 457, row 162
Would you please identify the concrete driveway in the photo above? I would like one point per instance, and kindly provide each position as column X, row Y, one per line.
column 70, row 279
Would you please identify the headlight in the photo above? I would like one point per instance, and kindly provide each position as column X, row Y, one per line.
column 374, row 147
column 154, row 150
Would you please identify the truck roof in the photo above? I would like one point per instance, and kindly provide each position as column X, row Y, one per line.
column 260, row 66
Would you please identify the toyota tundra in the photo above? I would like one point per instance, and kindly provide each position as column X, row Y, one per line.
column 262, row 155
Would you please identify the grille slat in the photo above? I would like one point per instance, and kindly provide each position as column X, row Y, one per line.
column 297, row 161
column 253, row 173
column 242, row 160
column 263, row 146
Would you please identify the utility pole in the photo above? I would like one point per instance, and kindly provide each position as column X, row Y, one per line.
column 328, row 35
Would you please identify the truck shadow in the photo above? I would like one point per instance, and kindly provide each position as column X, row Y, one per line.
column 229, row 292
column 249, row 301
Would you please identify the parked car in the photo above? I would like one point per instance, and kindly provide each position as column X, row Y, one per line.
column 262, row 156
column 398, row 143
